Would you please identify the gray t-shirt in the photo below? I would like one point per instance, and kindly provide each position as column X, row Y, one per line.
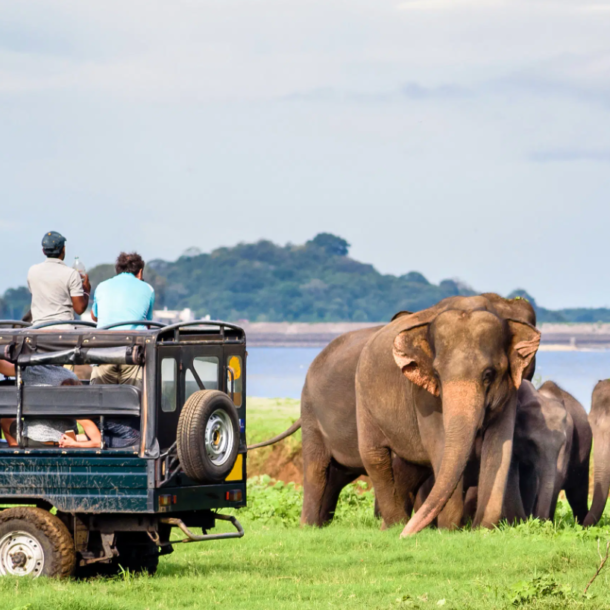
column 47, row 430
column 53, row 284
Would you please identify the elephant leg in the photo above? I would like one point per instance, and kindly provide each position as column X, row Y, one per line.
column 423, row 492
column 452, row 515
column 577, row 491
column 470, row 504
column 513, row 502
column 378, row 464
column 316, row 467
column 394, row 490
column 528, row 486
column 401, row 474
column 496, row 456
column 337, row 479
column 408, row 478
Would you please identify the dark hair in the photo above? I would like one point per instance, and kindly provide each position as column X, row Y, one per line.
column 53, row 252
column 129, row 263
column 71, row 381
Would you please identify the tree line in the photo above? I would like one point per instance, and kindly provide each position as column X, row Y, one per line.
column 313, row 282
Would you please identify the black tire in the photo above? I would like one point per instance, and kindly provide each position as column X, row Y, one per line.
column 33, row 542
column 213, row 412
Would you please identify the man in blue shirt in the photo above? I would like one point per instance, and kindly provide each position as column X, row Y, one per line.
column 123, row 298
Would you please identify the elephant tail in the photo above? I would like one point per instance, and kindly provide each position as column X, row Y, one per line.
column 279, row 437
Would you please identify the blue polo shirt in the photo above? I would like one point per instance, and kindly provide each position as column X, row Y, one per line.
column 121, row 298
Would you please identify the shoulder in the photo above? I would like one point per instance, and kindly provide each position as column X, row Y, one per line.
column 73, row 274
column 35, row 269
column 143, row 288
column 106, row 285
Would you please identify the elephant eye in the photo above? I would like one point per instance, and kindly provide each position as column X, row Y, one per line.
column 489, row 375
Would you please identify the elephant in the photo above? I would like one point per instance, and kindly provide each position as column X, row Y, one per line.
column 459, row 366
column 331, row 444
column 599, row 418
column 551, row 449
column 574, row 479
column 331, row 458
column 541, row 448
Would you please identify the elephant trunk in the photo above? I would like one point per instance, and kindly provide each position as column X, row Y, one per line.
column 462, row 409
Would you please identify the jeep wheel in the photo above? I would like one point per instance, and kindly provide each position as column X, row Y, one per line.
column 34, row 543
column 208, row 436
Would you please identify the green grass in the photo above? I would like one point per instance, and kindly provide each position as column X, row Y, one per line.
column 267, row 417
column 349, row 564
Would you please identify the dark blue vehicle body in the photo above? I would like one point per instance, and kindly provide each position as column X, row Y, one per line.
column 141, row 489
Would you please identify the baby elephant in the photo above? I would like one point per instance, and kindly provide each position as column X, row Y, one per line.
column 552, row 444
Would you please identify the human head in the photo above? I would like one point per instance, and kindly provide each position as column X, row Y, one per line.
column 53, row 245
column 71, row 381
column 130, row 263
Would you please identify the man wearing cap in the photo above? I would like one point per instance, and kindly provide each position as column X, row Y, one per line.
column 57, row 290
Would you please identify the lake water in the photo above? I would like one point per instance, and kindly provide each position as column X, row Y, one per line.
column 279, row 372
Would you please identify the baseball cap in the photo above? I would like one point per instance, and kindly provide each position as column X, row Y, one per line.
column 53, row 241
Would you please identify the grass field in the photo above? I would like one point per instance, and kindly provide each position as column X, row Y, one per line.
column 270, row 416
column 350, row 564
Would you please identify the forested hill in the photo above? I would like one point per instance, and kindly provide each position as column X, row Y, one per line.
column 314, row 282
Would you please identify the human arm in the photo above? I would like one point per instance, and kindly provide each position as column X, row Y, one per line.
column 92, row 432
column 94, row 307
column 80, row 288
column 5, row 423
column 7, row 369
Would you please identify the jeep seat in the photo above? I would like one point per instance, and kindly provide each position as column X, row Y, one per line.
column 79, row 402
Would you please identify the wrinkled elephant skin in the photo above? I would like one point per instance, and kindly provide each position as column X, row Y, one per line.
column 460, row 364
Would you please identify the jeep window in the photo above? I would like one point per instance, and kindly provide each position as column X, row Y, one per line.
column 169, row 375
column 235, row 379
column 202, row 376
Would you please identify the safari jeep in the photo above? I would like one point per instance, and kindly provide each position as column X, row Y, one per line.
column 68, row 510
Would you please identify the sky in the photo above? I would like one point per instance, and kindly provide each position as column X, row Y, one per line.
column 463, row 139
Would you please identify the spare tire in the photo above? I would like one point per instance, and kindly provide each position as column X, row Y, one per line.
column 208, row 436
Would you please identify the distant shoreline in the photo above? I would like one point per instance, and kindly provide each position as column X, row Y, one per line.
column 555, row 337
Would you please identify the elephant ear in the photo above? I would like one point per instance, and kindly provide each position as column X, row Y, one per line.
column 413, row 354
column 524, row 343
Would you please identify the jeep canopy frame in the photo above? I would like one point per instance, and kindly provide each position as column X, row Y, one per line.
column 77, row 342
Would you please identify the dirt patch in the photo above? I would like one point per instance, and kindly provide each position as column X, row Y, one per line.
column 283, row 461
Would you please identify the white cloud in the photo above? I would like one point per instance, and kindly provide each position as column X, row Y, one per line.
column 448, row 5
column 418, row 133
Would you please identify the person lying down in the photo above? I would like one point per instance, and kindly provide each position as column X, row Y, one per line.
column 56, row 431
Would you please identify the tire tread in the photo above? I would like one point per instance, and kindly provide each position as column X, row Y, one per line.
column 191, row 426
column 64, row 560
